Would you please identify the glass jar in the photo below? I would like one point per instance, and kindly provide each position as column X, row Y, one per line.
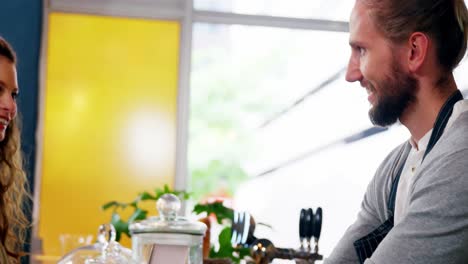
column 105, row 251
column 167, row 238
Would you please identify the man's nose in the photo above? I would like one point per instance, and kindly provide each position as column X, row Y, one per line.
column 353, row 73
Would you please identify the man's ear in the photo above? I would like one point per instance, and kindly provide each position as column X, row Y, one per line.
column 418, row 51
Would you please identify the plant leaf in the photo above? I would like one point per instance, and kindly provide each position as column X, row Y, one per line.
column 147, row 196
column 120, row 226
column 225, row 247
column 109, row 205
column 217, row 208
column 139, row 214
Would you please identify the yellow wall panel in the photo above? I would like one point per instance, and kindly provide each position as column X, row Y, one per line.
column 110, row 118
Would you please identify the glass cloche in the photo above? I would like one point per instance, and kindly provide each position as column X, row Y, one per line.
column 167, row 238
column 105, row 251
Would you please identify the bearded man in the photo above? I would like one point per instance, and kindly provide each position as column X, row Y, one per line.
column 415, row 209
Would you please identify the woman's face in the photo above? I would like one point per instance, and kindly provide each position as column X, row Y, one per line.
column 8, row 93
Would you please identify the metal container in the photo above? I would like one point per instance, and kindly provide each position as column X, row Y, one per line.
column 167, row 238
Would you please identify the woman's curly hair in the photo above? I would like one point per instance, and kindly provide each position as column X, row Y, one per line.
column 13, row 183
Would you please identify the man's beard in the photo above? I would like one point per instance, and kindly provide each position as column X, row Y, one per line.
column 396, row 93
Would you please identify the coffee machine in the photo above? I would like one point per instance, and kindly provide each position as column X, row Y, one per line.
column 263, row 251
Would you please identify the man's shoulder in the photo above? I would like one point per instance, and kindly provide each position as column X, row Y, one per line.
column 456, row 138
column 449, row 154
column 461, row 122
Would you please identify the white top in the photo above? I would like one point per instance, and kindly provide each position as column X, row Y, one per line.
column 414, row 161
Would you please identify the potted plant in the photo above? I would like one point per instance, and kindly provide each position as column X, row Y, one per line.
column 222, row 215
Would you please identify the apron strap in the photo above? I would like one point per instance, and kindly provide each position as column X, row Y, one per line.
column 366, row 245
column 442, row 119
column 396, row 171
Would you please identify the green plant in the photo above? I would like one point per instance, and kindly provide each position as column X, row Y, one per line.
column 121, row 225
column 224, row 217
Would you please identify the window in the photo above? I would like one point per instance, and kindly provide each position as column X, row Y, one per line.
column 338, row 10
column 110, row 118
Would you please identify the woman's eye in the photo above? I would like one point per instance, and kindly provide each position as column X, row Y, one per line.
column 14, row 95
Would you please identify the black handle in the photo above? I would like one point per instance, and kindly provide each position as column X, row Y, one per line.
column 309, row 227
column 302, row 225
column 317, row 223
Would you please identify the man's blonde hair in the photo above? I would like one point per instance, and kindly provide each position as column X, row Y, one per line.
column 444, row 21
column 461, row 13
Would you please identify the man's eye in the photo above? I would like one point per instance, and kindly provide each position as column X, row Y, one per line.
column 14, row 95
column 361, row 50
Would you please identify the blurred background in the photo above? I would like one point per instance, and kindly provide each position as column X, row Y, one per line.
column 239, row 100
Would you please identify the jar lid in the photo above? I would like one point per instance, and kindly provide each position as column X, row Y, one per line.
column 168, row 221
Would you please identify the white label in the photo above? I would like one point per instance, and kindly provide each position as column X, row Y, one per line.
column 165, row 254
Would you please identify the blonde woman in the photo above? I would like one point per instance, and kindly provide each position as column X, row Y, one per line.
column 13, row 222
